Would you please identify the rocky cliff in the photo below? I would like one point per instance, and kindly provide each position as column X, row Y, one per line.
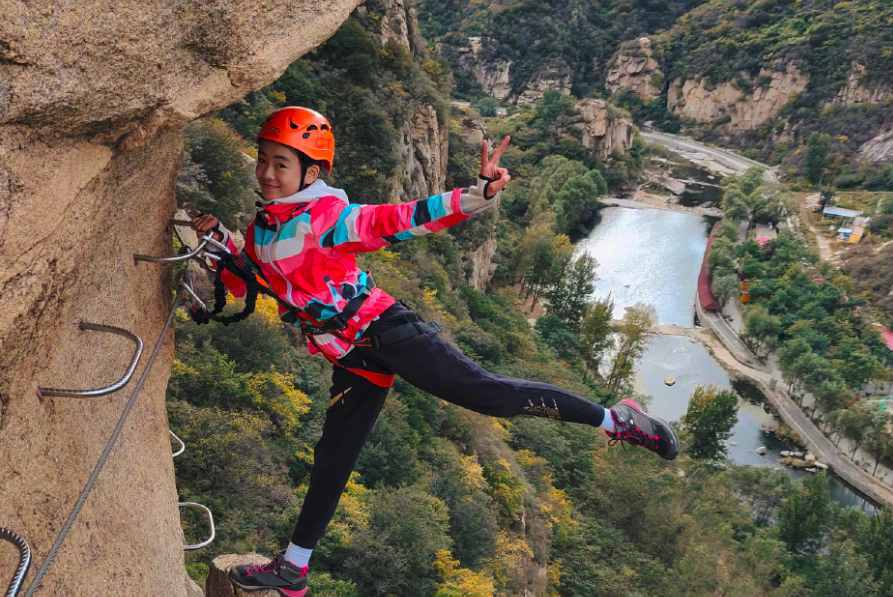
column 92, row 101
column 634, row 69
column 741, row 105
column 606, row 130
column 859, row 90
column 423, row 140
column 423, row 148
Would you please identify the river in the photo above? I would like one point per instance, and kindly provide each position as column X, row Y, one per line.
column 653, row 257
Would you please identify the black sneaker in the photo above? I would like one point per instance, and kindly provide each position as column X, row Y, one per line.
column 278, row 574
column 633, row 425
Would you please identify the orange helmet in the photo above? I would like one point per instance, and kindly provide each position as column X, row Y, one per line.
column 303, row 129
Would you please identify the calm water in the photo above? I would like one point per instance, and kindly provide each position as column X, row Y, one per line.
column 653, row 256
column 648, row 256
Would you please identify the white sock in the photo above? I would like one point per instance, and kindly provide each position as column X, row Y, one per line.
column 297, row 555
column 608, row 421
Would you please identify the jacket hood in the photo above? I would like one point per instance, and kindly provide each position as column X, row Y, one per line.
column 281, row 208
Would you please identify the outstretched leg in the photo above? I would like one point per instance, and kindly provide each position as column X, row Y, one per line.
column 431, row 363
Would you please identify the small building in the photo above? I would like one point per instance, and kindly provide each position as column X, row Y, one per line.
column 841, row 212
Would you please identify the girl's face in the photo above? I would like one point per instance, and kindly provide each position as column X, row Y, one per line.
column 278, row 170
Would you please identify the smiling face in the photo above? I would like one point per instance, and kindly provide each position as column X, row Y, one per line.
column 278, row 170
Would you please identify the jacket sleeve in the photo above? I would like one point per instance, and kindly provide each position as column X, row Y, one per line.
column 233, row 283
column 358, row 227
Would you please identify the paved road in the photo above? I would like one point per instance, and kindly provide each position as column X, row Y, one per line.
column 715, row 159
column 769, row 380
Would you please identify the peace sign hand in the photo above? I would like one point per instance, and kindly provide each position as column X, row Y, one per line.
column 497, row 178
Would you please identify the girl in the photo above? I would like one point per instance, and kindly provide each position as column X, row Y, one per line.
column 303, row 243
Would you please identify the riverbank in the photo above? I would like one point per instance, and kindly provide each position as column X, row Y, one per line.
column 643, row 200
column 713, row 335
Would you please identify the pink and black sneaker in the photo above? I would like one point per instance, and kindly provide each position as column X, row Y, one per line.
column 278, row 574
column 634, row 426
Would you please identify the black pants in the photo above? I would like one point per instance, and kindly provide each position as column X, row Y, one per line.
column 431, row 364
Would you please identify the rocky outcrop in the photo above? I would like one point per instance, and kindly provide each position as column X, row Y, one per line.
column 92, row 101
column 423, row 142
column 633, row 69
column 606, row 130
column 731, row 107
column 423, row 147
column 879, row 149
column 493, row 74
column 859, row 91
column 551, row 77
column 481, row 263
column 398, row 23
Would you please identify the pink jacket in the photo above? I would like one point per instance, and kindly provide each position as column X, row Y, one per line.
column 305, row 245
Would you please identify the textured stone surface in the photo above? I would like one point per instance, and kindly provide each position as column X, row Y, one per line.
column 606, row 130
column 550, row 77
column 859, row 91
column 92, row 100
column 423, row 147
column 879, row 149
column 634, row 69
column 219, row 585
column 492, row 73
column 732, row 108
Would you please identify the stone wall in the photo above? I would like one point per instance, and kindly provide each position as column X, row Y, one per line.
column 93, row 98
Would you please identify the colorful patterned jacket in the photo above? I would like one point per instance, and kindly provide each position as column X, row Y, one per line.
column 305, row 246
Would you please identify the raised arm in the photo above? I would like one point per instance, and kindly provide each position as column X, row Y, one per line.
column 356, row 227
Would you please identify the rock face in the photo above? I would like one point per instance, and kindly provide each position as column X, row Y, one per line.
column 481, row 262
column 399, row 23
column 879, row 149
column 491, row 73
column 423, row 149
column 423, row 142
column 494, row 74
column 634, row 69
column 859, row 91
column 606, row 130
column 92, row 101
column 729, row 106
column 551, row 77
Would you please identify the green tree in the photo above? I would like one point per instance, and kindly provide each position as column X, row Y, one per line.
column 762, row 330
column 569, row 297
column 596, row 336
column 395, row 554
column 875, row 539
column 725, row 287
column 217, row 177
column 632, row 335
column 818, row 147
column 709, row 420
column 804, row 515
column 844, row 571
column 577, row 205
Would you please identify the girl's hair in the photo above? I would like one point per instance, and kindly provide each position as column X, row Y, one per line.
column 307, row 161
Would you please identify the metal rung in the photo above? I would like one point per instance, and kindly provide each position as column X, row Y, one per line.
column 189, row 290
column 193, row 254
column 206, row 542
column 179, row 441
column 92, row 393
column 24, row 559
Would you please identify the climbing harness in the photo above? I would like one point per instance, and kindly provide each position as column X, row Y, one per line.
column 24, row 559
column 94, row 392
